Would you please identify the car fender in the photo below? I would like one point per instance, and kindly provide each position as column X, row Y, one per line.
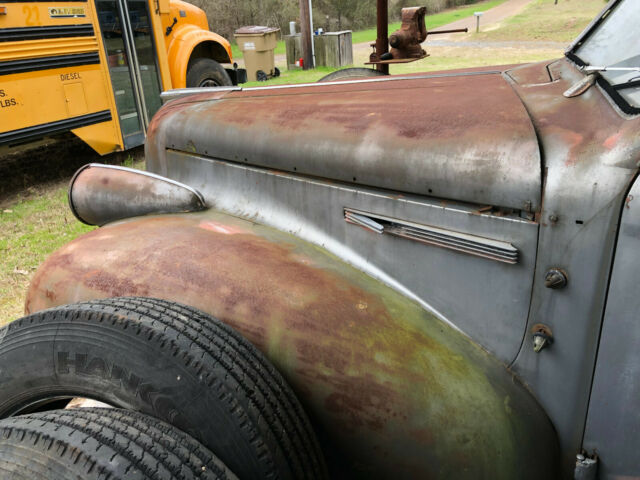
column 183, row 43
column 391, row 388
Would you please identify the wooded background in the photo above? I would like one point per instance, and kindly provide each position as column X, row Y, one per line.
column 225, row 16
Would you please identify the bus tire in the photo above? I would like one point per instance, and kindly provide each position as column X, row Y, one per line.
column 169, row 361
column 101, row 443
column 204, row 72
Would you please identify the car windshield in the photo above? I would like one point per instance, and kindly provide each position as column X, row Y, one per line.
column 613, row 42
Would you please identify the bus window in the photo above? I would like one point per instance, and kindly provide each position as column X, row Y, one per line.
column 143, row 40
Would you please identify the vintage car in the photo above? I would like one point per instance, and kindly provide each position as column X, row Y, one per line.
column 424, row 276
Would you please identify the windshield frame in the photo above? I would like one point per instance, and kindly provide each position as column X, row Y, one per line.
column 611, row 89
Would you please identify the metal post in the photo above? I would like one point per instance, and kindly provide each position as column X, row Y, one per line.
column 382, row 41
column 478, row 15
column 305, row 34
column 313, row 43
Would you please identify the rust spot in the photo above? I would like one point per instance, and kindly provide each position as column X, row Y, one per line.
column 112, row 285
column 362, row 402
column 612, row 141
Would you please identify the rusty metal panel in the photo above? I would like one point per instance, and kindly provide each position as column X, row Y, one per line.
column 484, row 150
column 452, row 284
column 591, row 152
column 394, row 391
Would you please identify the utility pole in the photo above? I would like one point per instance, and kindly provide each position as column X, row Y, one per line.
column 306, row 34
column 382, row 42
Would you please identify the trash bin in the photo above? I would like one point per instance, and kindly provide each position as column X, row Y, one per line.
column 257, row 45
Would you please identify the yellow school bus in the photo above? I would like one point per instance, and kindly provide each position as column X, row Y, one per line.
column 97, row 67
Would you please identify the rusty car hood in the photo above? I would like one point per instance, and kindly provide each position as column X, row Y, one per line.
column 453, row 135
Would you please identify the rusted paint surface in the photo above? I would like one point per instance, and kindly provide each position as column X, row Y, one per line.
column 591, row 153
column 395, row 391
column 586, row 130
column 484, row 150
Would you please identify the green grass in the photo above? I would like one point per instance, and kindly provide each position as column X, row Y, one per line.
column 32, row 226
column 369, row 35
column 289, row 77
column 30, row 230
column 432, row 21
column 544, row 21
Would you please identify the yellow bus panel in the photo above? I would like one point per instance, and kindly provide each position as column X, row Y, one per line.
column 43, row 14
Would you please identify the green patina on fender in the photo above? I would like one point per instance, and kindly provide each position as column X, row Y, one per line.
column 391, row 389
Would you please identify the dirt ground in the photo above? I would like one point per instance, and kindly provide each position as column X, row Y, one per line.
column 48, row 161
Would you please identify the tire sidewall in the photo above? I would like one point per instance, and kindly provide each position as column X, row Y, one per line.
column 204, row 69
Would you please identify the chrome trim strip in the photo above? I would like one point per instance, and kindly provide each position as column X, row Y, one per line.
column 182, row 92
column 461, row 242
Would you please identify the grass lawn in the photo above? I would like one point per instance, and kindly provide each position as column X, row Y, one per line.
column 289, row 77
column 33, row 225
column 30, row 230
column 433, row 22
column 544, row 21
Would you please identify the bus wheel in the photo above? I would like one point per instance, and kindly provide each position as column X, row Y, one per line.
column 100, row 443
column 205, row 72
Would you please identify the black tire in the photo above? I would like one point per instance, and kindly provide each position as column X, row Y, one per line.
column 351, row 74
column 169, row 361
column 261, row 76
column 101, row 444
column 204, row 72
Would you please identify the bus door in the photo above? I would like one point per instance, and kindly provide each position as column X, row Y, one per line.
column 128, row 39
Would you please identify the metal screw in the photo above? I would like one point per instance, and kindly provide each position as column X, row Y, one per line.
column 553, row 218
column 555, row 279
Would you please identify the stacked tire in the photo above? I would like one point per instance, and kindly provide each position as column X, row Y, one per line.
column 100, row 444
column 192, row 398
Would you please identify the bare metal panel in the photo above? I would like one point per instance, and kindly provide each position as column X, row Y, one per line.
column 452, row 283
column 613, row 423
column 591, row 152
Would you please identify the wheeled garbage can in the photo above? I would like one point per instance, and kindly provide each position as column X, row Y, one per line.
column 257, row 45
